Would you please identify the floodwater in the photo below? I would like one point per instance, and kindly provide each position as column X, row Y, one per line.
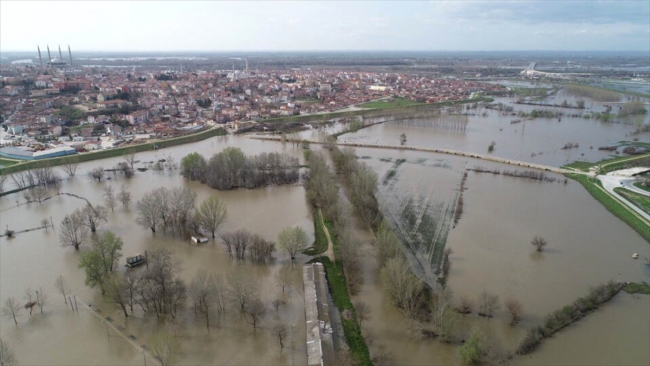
column 492, row 252
column 491, row 244
column 538, row 141
column 35, row 259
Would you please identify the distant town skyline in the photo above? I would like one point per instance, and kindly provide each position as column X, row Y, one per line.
column 323, row 26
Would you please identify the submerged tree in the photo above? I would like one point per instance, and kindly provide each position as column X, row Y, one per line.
column 7, row 354
column 11, row 310
column 292, row 240
column 539, row 243
column 211, row 214
column 73, row 230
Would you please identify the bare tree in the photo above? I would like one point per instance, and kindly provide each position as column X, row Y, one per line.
column 93, row 216
column 129, row 157
column 242, row 287
column 29, row 296
column 279, row 330
column 255, row 311
column 116, row 292
column 11, row 309
column 41, row 299
column 465, row 305
column 149, row 211
column 132, row 283
column 236, row 243
column 203, row 292
column 292, row 240
column 37, row 194
column 61, row 286
column 284, row 277
column 362, row 311
column 261, row 250
column 70, row 168
column 163, row 346
column 97, row 174
column 7, row 354
column 515, row 308
column 539, row 243
column 124, row 196
column 276, row 305
column 73, row 230
column 488, row 304
column 109, row 197
column 405, row 289
column 211, row 214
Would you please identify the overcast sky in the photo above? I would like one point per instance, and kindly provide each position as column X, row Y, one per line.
column 326, row 25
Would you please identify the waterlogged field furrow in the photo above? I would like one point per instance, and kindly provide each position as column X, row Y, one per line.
column 418, row 195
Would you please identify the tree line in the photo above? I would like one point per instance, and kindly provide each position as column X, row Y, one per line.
column 230, row 169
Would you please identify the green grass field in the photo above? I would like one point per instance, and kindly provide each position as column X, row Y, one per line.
column 320, row 240
column 610, row 165
column 639, row 200
column 7, row 162
column 390, row 103
column 640, row 186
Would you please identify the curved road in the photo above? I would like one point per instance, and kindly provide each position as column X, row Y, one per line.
column 610, row 182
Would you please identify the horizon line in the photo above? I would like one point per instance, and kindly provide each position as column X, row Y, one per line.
column 352, row 51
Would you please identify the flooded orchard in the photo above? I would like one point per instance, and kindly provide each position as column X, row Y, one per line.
column 35, row 259
column 418, row 193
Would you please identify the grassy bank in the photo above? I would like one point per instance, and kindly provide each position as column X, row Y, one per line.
column 390, row 103
column 637, row 288
column 612, row 205
column 8, row 162
column 610, row 165
column 103, row 154
column 339, row 291
column 320, row 240
column 639, row 200
column 641, row 186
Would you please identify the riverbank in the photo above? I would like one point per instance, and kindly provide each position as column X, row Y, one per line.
column 102, row 154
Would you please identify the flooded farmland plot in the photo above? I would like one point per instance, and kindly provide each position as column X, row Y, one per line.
column 99, row 332
column 540, row 140
column 492, row 252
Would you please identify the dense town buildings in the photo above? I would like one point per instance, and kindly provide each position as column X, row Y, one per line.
column 93, row 109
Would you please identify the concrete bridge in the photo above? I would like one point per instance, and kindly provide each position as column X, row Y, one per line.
column 496, row 159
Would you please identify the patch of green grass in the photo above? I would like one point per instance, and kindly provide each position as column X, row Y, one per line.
column 8, row 162
column 390, row 103
column 580, row 165
column 102, row 154
column 612, row 205
column 639, row 200
column 641, row 186
column 339, row 291
column 320, row 240
column 637, row 288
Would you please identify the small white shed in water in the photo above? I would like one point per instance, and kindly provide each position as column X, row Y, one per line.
column 199, row 239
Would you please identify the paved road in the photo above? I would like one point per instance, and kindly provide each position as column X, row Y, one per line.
column 610, row 182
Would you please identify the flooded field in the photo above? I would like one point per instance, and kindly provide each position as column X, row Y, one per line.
column 418, row 193
column 538, row 141
column 35, row 259
column 492, row 252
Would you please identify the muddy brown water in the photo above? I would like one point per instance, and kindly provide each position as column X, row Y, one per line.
column 538, row 141
column 62, row 337
column 492, row 252
column 587, row 245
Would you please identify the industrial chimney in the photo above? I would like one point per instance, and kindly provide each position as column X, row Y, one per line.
column 70, row 52
column 49, row 57
column 60, row 55
column 39, row 57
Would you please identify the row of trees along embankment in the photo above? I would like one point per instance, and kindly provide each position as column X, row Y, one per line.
column 231, row 169
column 344, row 275
column 110, row 153
column 428, row 312
column 577, row 310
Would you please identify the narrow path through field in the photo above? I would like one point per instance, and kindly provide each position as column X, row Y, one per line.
column 330, row 246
